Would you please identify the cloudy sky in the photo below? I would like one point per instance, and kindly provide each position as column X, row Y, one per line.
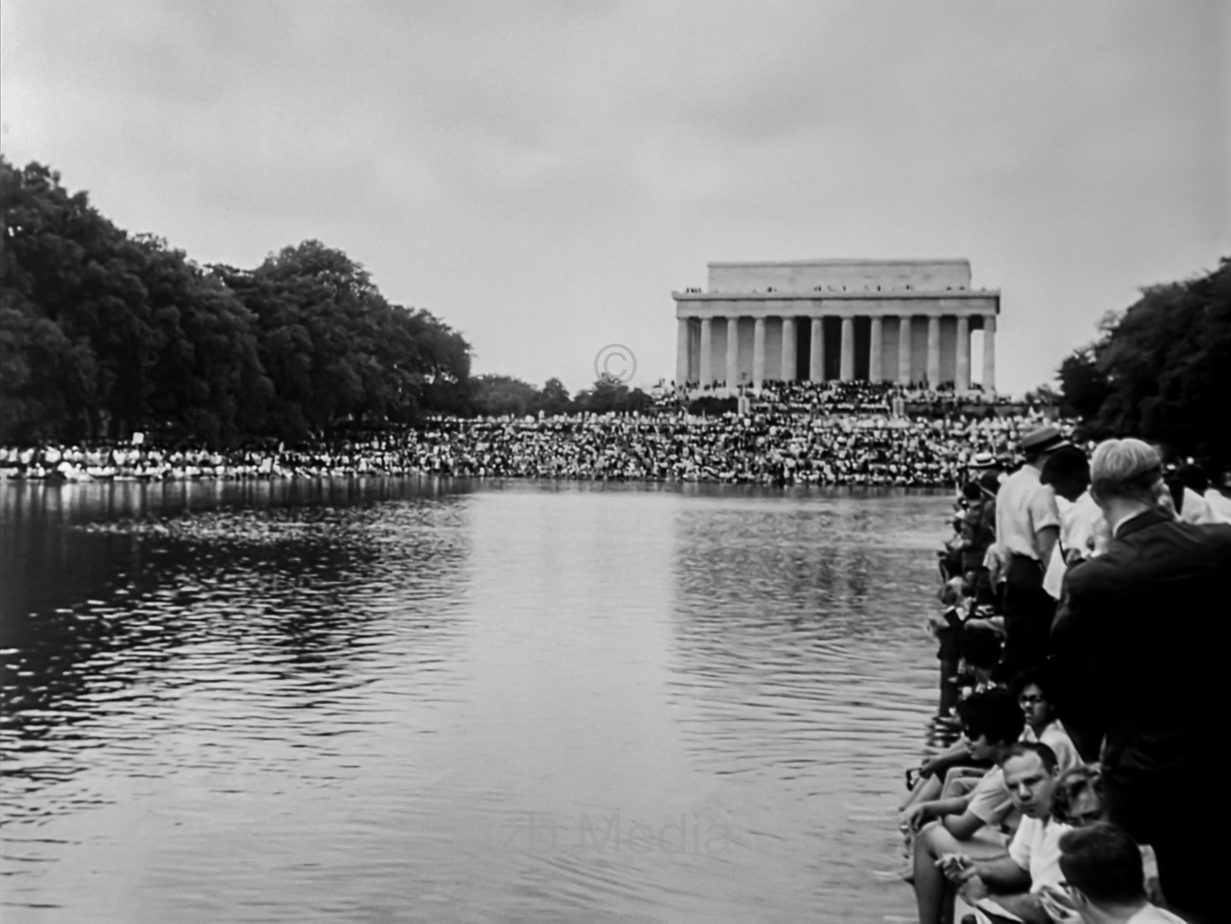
column 543, row 174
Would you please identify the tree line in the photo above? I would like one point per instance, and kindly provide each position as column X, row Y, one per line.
column 104, row 333
column 1161, row 370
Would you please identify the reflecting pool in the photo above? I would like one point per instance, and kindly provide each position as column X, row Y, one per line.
column 414, row 700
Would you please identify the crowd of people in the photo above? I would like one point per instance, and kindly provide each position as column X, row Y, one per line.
column 799, row 433
column 1074, row 601
column 844, row 396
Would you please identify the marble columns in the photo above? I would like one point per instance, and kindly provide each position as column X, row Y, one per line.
column 904, row 369
column 846, row 366
column 933, row 351
column 758, row 353
column 989, row 353
column 816, row 353
column 707, row 351
column 946, row 356
column 681, row 351
column 876, row 350
column 786, row 369
column 732, row 352
column 961, row 373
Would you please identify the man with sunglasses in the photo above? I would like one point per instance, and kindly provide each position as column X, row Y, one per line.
column 972, row 824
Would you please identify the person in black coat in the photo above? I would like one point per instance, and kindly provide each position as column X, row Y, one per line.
column 1145, row 618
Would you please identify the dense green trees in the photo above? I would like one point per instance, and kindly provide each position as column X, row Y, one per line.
column 611, row 394
column 103, row 333
column 501, row 394
column 205, row 378
column 1162, row 370
column 77, row 337
column 335, row 350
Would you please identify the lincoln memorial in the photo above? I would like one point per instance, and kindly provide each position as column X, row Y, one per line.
column 905, row 321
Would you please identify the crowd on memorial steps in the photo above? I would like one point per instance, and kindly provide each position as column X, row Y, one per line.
column 1075, row 596
column 833, row 433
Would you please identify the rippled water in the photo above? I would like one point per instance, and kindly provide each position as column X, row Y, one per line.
column 410, row 701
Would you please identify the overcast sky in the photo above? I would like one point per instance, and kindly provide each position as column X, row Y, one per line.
column 542, row 175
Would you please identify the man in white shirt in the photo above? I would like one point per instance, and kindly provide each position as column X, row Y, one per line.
column 1219, row 504
column 1187, row 498
column 1103, row 880
column 1214, row 506
column 1067, row 472
column 1027, row 529
column 1009, row 887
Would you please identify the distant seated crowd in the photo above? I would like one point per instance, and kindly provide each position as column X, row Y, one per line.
column 836, row 434
column 765, row 448
column 844, row 396
column 1075, row 661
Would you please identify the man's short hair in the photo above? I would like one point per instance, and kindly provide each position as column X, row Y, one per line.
column 1022, row 748
column 993, row 714
column 1104, row 862
column 1067, row 470
column 980, row 648
column 1033, row 676
column 1126, row 468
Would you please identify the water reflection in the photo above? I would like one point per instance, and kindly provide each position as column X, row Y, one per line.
column 798, row 661
column 396, row 700
column 136, row 617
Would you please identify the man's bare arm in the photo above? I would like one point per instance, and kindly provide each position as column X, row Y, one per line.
column 1002, row 874
column 1045, row 541
column 1025, row 905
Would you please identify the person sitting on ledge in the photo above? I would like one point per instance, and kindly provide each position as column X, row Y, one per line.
column 980, row 652
column 1079, row 799
column 1008, row 888
column 1033, row 689
column 973, row 824
column 1103, row 881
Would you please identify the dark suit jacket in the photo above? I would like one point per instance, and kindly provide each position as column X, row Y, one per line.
column 1150, row 615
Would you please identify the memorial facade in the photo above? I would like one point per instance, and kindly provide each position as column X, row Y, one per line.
column 904, row 321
